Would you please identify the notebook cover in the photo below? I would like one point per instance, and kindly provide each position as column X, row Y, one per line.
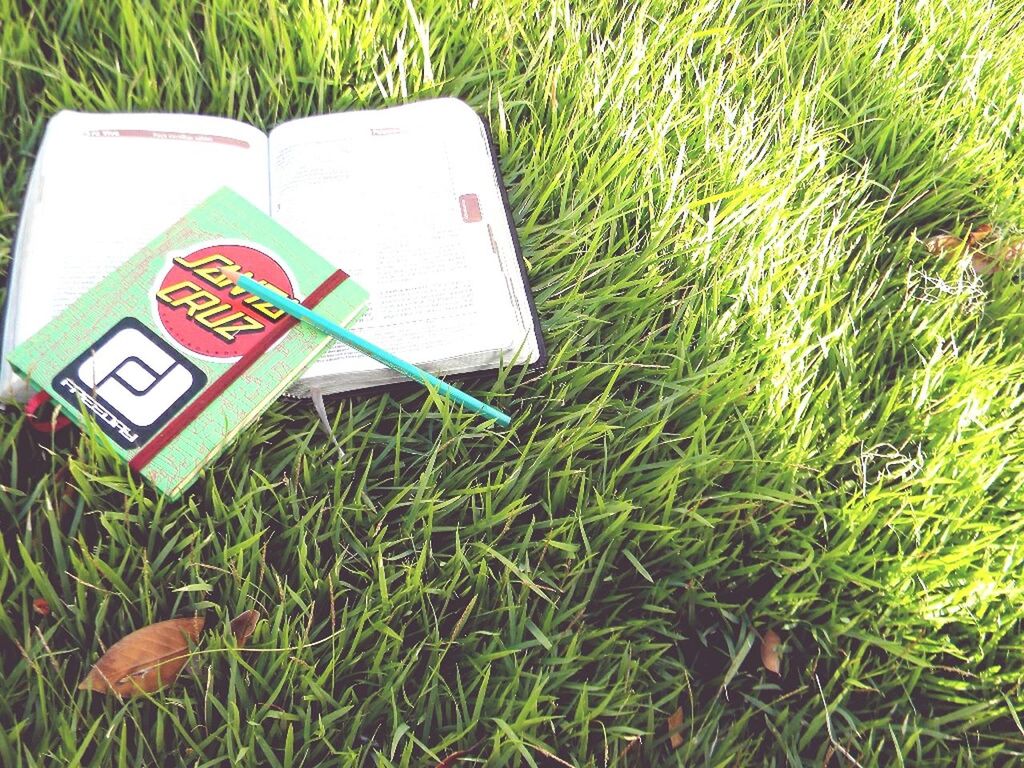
column 168, row 359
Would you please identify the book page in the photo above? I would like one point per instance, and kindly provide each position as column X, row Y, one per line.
column 109, row 183
column 382, row 194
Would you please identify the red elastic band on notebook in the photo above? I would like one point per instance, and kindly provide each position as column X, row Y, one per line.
column 37, row 401
column 211, row 393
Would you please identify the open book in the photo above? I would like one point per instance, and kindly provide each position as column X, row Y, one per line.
column 408, row 199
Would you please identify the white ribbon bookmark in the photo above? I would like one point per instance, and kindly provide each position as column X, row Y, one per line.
column 321, row 411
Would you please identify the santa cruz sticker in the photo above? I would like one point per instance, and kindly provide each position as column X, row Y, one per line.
column 207, row 314
column 132, row 382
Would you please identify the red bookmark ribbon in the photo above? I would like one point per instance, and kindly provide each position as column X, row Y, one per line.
column 38, row 422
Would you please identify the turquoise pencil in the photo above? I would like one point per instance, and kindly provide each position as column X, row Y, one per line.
column 300, row 312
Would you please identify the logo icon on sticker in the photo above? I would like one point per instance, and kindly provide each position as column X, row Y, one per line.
column 207, row 314
column 132, row 382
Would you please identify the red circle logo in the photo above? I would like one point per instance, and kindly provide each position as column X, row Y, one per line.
column 206, row 313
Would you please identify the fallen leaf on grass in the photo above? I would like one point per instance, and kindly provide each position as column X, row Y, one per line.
column 983, row 264
column 980, row 234
column 981, row 260
column 41, row 606
column 1005, row 257
column 1013, row 250
column 675, row 724
column 145, row 660
column 627, row 753
column 243, row 625
column 553, row 759
column 770, row 656
column 451, row 759
column 942, row 243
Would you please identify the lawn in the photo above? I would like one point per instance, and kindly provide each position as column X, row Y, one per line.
column 769, row 407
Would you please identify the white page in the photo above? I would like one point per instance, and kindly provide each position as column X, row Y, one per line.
column 11, row 386
column 378, row 193
column 108, row 184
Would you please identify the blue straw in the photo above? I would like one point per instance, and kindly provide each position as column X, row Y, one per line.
column 296, row 310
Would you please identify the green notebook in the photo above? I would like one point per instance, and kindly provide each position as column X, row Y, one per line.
column 169, row 359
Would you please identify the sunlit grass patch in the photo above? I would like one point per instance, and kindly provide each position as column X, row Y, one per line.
column 769, row 406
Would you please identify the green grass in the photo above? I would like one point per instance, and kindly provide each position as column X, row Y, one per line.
column 768, row 406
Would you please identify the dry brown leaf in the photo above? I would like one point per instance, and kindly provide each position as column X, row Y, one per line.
column 1012, row 251
column 454, row 757
column 770, row 655
column 977, row 241
column 243, row 625
column 554, row 759
column 1005, row 256
column 146, row 660
column 449, row 761
column 980, row 261
column 942, row 243
column 675, row 724
column 630, row 751
column 980, row 234
column 41, row 606
column 983, row 264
